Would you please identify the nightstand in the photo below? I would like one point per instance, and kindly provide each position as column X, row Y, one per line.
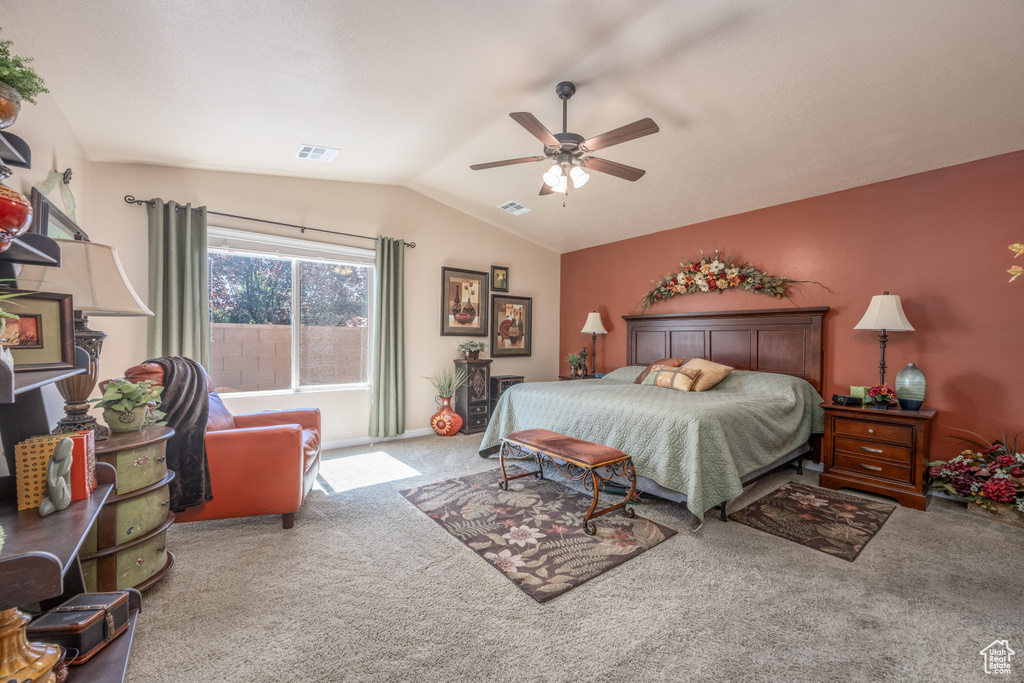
column 500, row 384
column 881, row 451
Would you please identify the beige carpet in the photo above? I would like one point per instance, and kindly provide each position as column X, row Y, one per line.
column 366, row 588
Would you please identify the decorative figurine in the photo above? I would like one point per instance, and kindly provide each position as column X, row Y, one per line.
column 583, row 360
column 58, row 479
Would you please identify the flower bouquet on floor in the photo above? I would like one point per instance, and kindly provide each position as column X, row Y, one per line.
column 991, row 478
column 880, row 396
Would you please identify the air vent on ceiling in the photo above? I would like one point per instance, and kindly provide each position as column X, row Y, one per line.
column 314, row 153
column 514, row 208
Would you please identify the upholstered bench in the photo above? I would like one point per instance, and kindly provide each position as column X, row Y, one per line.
column 576, row 459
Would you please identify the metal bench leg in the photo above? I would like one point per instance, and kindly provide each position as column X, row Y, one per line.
column 721, row 507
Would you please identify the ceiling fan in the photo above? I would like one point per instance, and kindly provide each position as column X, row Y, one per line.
column 571, row 152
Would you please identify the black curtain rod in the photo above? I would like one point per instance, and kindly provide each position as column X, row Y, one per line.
column 130, row 199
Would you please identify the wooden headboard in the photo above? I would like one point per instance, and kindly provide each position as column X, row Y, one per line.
column 785, row 340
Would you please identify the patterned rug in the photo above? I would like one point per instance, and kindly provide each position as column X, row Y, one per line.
column 829, row 521
column 533, row 532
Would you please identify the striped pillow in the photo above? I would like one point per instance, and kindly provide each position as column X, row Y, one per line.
column 680, row 379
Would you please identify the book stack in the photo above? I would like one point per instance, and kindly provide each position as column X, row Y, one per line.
column 33, row 456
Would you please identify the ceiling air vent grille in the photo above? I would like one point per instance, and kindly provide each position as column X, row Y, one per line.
column 514, row 208
column 315, row 153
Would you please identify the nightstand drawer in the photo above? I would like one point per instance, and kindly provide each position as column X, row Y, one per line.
column 475, row 422
column 876, row 468
column 874, row 430
column 477, row 408
column 873, row 449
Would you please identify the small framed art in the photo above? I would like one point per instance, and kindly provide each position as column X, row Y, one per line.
column 511, row 326
column 463, row 303
column 43, row 336
column 499, row 278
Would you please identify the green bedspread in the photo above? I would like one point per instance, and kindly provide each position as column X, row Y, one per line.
column 699, row 444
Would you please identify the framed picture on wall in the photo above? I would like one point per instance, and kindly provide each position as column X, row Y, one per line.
column 511, row 326
column 43, row 337
column 499, row 278
column 48, row 220
column 463, row 303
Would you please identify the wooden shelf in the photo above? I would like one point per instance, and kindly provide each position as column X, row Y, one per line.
column 33, row 248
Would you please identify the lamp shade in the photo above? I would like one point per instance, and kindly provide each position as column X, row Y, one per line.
column 594, row 324
column 885, row 313
column 93, row 275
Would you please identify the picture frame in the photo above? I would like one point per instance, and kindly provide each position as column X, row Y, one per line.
column 22, row 332
column 499, row 278
column 464, row 311
column 54, row 347
column 511, row 326
column 48, row 220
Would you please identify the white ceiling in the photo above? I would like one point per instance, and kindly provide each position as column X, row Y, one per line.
column 759, row 102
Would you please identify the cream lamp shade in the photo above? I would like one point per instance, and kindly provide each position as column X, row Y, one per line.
column 885, row 312
column 594, row 324
column 93, row 275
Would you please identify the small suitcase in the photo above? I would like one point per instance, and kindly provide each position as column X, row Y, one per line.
column 86, row 622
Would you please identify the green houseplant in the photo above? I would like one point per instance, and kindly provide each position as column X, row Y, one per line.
column 471, row 348
column 574, row 363
column 446, row 422
column 18, row 81
column 128, row 406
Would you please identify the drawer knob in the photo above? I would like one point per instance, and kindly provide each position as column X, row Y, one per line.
column 871, row 450
column 166, row 503
column 871, row 467
column 162, row 458
column 871, row 431
column 129, row 530
column 161, row 549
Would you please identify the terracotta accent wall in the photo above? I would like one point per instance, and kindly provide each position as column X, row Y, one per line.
column 938, row 239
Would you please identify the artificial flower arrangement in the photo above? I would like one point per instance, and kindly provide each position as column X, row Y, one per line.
column 1016, row 271
column 717, row 274
column 990, row 477
column 470, row 345
column 880, row 394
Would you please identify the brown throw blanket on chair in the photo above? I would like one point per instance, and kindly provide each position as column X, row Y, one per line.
column 186, row 400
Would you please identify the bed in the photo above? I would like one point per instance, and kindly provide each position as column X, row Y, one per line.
column 694, row 448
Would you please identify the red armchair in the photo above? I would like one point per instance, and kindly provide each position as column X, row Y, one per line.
column 260, row 464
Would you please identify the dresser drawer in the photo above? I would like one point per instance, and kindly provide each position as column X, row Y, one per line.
column 137, row 467
column 477, row 422
column 875, row 468
column 873, row 430
column 873, row 449
column 477, row 409
column 131, row 566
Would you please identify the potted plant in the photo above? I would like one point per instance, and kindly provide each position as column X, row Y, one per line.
column 128, row 406
column 446, row 422
column 990, row 478
column 880, row 396
column 471, row 349
column 18, row 81
column 574, row 363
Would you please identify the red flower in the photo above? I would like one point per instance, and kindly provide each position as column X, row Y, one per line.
column 1005, row 460
column 999, row 490
column 758, row 287
column 674, row 281
column 1017, row 472
column 712, row 285
column 743, row 278
column 935, row 472
column 658, row 295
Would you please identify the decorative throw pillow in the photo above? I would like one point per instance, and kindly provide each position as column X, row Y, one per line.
column 670, row 362
column 710, row 373
column 653, row 370
column 680, row 379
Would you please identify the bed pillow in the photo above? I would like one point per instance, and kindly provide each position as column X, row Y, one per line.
column 678, row 378
column 710, row 373
column 669, row 362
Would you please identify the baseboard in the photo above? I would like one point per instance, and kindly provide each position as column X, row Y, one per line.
column 364, row 440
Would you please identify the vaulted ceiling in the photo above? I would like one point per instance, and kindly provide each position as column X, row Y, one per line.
column 759, row 102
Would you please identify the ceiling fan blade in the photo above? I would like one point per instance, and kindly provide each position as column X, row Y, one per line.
column 631, row 131
column 506, row 162
column 545, row 189
column 612, row 168
column 530, row 123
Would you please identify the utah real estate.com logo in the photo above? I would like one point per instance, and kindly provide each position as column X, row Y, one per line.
column 997, row 657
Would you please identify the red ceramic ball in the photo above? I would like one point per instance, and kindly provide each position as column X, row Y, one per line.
column 15, row 216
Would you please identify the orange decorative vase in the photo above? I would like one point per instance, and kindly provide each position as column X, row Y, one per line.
column 15, row 212
column 446, row 422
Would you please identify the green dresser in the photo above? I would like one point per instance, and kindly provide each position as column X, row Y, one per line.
column 127, row 548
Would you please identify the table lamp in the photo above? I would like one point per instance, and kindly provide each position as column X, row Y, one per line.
column 93, row 275
column 885, row 313
column 595, row 327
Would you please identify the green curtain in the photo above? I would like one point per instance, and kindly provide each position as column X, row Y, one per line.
column 387, row 401
column 179, row 292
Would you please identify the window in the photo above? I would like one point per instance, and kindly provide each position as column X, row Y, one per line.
column 265, row 339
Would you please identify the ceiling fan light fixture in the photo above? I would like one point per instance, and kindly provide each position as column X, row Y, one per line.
column 562, row 185
column 553, row 176
column 579, row 176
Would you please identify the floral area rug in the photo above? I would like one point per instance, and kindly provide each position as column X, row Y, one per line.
column 533, row 532
column 829, row 521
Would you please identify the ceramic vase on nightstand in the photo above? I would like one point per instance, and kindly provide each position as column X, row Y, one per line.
column 910, row 387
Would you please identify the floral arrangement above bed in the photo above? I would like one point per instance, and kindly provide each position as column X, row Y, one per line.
column 717, row 274
column 1016, row 271
column 988, row 477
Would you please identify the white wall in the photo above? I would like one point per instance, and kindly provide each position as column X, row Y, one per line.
column 444, row 237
